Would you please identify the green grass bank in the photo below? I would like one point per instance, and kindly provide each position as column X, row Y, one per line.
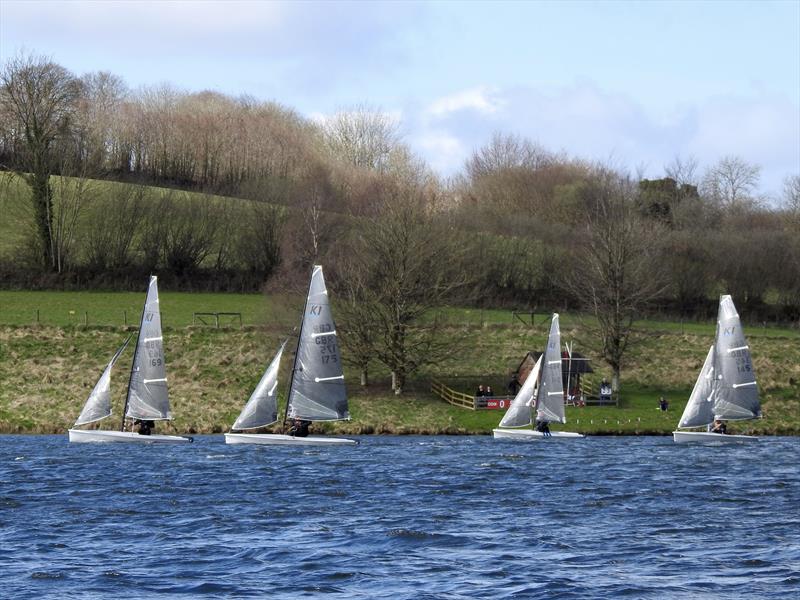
column 48, row 368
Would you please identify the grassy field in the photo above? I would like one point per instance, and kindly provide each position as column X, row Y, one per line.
column 47, row 370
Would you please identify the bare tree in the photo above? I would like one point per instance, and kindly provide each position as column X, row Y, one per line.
column 70, row 197
column 37, row 102
column 190, row 233
column 98, row 110
column 115, row 220
column 362, row 136
column 683, row 171
column 259, row 245
column 403, row 265
column 504, row 152
column 732, row 182
column 791, row 194
column 615, row 272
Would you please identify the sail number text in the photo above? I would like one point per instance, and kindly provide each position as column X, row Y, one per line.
column 328, row 350
column 153, row 353
column 743, row 364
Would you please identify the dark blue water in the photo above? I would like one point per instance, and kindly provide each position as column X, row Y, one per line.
column 400, row 517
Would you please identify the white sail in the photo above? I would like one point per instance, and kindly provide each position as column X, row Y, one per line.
column 147, row 389
column 262, row 407
column 550, row 399
column 699, row 410
column 98, row 404
column 736, row 391
column 317, row 391
column 519, row 413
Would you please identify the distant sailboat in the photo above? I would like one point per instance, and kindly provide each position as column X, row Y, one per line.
column 147, row 397
column 542, row 392
column 316, row 389
column 726, row 388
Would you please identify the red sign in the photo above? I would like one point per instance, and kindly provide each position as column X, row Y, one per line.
column 498, row 403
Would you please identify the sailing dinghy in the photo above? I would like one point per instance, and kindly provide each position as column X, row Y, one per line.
column 726, row 388
column 316, row 388
column 543, row 392
column 147, row 397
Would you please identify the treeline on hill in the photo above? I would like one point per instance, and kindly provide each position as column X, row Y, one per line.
column 103, row 185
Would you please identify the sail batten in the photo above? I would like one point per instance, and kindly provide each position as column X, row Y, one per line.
column 317, row 391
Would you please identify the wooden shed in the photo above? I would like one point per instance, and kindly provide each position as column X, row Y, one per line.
column 572, row 368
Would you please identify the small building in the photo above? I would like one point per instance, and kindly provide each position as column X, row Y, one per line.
column 572, row 369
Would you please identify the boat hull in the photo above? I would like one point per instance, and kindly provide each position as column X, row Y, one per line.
column 528, row 435
column 276, row 439
column 105, row 436
column 689, row 437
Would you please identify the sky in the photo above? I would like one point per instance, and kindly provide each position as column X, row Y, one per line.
column 631, row 83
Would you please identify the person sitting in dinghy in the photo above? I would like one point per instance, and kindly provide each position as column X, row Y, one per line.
column 299, row 428
column 145, row 426
column 542, row 425
column 719, row 427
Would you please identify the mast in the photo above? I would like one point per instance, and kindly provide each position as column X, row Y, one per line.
column 133, row 362
column 297, row 348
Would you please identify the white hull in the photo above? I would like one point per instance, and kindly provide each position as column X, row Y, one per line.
column 686, row 437
column 99, row 435
column 276, row 439
column 530, row 435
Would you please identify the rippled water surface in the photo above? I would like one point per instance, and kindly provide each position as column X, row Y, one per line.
column 400, row 517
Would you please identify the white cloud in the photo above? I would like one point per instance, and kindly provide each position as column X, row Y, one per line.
column 444, row 151
column 480, row 99
column 588, row 122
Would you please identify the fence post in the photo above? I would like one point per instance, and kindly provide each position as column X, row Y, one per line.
column 37, row 316
column 86, row 318
column 125, row 317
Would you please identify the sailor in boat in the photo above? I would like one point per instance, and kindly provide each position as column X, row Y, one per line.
column 719, row 427
column 145, row 426
column 541, row 424
column 299, row 428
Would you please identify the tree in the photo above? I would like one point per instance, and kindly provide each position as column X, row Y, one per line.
column 791, row 194
column 400, row 268
column 259, row 244
column 115, row 220
column 615, row 272
column 683, row 171
column 37, row 104
column 732, row 182
column 364, row 137
column 506, row 152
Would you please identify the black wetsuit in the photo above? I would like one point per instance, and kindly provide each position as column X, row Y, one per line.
column 300, row 428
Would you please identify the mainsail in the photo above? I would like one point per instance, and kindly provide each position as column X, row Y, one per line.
column 147, row 389
column 736, row 392
column 98, row 404
column 519, row 413
column 317, row 391
column 550, row 399
column 699, row 410
column 262, row 407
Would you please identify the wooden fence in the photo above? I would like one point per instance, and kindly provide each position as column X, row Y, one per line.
column 451, row 396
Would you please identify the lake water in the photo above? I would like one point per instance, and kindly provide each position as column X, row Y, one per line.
column 400, row 517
